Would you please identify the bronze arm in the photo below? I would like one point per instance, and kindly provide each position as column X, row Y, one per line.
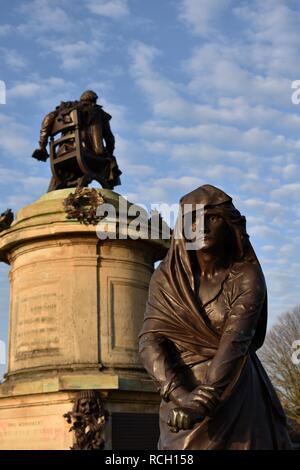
column 239, row 329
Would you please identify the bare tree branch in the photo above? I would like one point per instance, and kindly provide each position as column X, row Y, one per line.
column 276, row 356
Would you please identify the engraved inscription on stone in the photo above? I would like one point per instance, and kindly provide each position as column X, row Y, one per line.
column 42, row 432
column 37, row 329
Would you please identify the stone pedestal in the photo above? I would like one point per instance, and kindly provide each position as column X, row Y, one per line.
column 76, row 307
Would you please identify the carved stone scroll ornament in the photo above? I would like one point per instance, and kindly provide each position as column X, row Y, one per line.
column 6, row 219
column 82, row 205
column 88, row 419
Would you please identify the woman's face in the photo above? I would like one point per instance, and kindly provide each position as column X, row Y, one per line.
column 211, row 231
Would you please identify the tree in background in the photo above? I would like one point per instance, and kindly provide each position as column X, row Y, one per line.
column 280, row 356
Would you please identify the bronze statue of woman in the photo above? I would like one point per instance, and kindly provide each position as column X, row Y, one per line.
column 206, row 317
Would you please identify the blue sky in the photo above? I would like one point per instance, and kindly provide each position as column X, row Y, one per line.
column 199, row 90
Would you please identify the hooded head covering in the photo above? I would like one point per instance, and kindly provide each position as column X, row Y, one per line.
column 218, row 202
column 173, row 301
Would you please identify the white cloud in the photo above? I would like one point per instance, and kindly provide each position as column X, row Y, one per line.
column 219, row 69
column 232, row 131
column 134, row 169
column 13, row 137
column 13, row 58
column 47, row 92
column 43, row 16
column 283, row 285
column 218, row 109
column 252, row 139
column 24, row 90
column 36, row 184
column 222, row 92
column 119, row 113
column 161, row 190
column 5, row 29
column 268, row 248
column 74, row 55
column 259, row 64
column 288, row 250
column 8, row 175
column 263, row 231
column 273, row 33
column 26, row 185
column 289, row 171
column 128, row 154
column 16, row 201
column 202, row 15
column 287, row 192
column 161, row 93
column 233, row 110
column 114, row 9
column 266, row 207
column 225, row 172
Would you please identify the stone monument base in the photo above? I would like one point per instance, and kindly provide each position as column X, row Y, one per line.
column 77, row 304
column 32, row 412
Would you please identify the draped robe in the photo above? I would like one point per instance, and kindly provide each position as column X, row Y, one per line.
column 186, row 343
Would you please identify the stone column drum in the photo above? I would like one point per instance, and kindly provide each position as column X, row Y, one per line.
column 76, row 307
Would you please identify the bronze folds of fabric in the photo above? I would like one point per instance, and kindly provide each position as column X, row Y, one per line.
column 186, row 343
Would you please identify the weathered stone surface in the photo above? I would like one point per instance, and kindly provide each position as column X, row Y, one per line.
column 36, row 422
column 30, row 423
column 76, row 307
column 76, row 301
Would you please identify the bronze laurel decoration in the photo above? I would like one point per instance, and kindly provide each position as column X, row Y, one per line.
column 82, row 205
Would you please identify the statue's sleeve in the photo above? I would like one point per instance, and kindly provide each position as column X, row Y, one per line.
column 246, row 307
column 46, row 128
column 159, row 359
column 107, row 134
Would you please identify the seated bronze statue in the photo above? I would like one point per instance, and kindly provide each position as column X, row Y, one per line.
column 81, row 145
column 206, row 317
